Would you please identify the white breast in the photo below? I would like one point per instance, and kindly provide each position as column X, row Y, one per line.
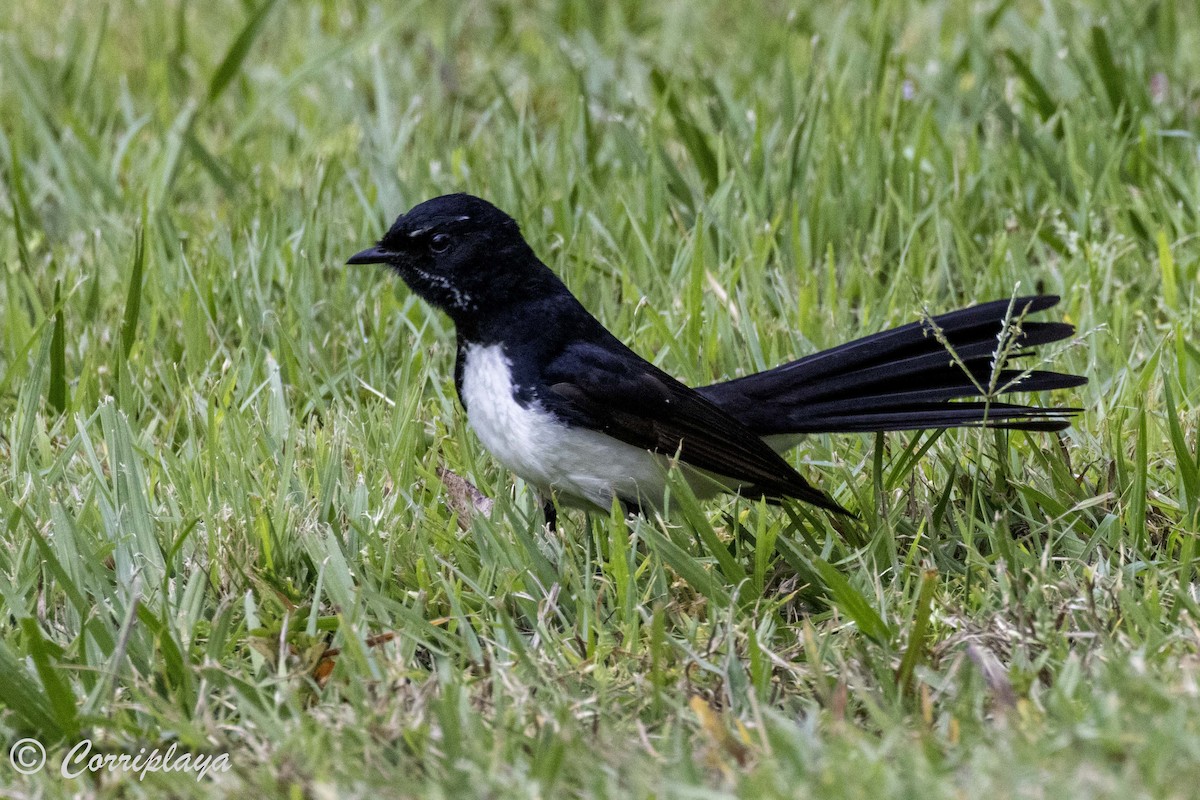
column 574, row 462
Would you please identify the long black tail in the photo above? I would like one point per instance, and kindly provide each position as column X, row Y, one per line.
column 908, row 379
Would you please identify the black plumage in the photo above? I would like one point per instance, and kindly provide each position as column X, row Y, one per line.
column 911, row 378
column 549, row 377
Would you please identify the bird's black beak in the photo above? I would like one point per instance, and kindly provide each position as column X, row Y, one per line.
column 372, row 255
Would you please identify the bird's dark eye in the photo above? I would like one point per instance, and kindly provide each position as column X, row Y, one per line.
column 440, row 243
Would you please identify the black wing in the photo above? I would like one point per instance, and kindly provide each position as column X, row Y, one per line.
column 632, row 401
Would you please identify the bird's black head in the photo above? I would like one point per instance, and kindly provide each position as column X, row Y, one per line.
column 460, row 254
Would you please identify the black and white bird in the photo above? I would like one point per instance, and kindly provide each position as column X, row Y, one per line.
column 560, row 401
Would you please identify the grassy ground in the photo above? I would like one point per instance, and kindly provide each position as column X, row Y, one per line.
column 221, row 451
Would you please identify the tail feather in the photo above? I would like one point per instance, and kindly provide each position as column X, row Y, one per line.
column 907, row 378
column 946, row 415
column 926, row 393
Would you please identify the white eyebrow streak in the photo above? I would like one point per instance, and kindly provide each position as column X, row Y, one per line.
column 428, row 228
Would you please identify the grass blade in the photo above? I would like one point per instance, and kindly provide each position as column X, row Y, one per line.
column 238, row 51
column 687, row 566
column 133, row 296
column 23, row 697
column 1186, row 465
column 58, row 693
column 853, row 603
column 57, row 393
column 920, row 630
column 694, row 139
column 1111, row 75
column 1135, row 515
column 1046, row 107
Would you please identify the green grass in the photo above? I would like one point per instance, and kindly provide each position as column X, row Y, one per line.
column 220, row 448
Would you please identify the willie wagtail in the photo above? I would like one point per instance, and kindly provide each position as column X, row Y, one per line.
column 560, row 401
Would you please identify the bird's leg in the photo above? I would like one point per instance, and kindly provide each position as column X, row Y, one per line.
column 549, row 512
